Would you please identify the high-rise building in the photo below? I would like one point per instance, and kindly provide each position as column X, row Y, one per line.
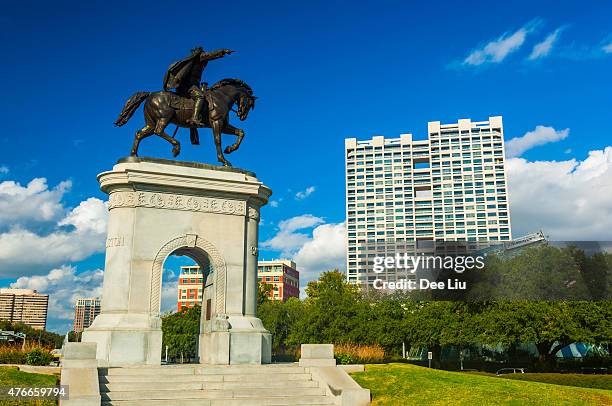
column 282, row 275
column 404, row 193
column 85, row 311
column 25, row 306
column 190, row 287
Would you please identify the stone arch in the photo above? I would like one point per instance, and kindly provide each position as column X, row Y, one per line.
column 187, row 242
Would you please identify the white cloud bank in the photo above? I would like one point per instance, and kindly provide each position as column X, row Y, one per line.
column 543, row 49
column 497, row 50
column 72, row 235
column 64, row 286
column 169, row 294
column 569, row 200
column 539, row 136
column 32, row 203
column 324, row 250
column 289, row 238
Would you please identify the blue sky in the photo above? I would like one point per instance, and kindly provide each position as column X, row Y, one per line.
column 323, row 71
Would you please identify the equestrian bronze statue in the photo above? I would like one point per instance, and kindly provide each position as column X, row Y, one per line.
column 192, row 104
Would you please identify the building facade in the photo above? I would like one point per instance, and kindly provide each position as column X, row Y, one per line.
column 190, row 287
column 284, row 277
column 404, row 194
column 85, row 311
column 25, row 306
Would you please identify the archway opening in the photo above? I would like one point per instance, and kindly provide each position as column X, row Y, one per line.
column 186, row 300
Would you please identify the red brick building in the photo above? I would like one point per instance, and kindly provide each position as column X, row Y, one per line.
column 190, row 287
column 282, row 275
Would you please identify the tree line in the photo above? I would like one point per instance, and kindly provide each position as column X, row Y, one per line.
column 335, row 311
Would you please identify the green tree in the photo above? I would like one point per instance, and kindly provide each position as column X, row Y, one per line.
column 45, row 338
column 180, row 332
column 333, row 313
column 280, row 318
column 538, row 273
column 437, row 324
column 550, row 325
column 389, row 314
column 263, row 292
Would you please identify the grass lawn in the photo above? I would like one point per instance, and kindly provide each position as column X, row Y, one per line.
column 579, row 380
column 12, row 376
column 405, row 384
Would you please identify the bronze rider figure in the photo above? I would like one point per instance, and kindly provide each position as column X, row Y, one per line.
column 185, row 76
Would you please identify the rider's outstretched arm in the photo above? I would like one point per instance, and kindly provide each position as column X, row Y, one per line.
column 219, row 53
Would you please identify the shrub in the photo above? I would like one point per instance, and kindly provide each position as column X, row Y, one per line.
column 345, row 359
column 11, row 355
column 38, row 356
column 364, row 354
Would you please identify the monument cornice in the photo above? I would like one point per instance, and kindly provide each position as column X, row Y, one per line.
column 194, row 179
column 175, row 201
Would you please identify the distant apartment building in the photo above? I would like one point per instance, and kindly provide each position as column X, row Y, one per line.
column 190, row 287
column 25, row 306
column 403, row 193
column 282, row 274
column 85, row 311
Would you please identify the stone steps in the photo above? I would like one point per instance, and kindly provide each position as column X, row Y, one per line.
column 127, row 386
column 244, row 393
column 204, row 370
column 279, row 401
column 284, row 384
column 261, row 377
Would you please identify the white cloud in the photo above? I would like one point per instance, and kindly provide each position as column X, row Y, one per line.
column 89, row 215
column 4, row 169
column 169, row 294
column 289, row 239
column 607, row 48
column 542, row 49
column 273, row 203
column 540, row 136
column 303, row 194
column 326, row 250
column 32, row 203
column 497, row 50
column 569, row 200
column 323, row 250
column 23, row 251
column 64, row 286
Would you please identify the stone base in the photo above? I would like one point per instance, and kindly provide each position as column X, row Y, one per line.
column 247, row 342
column 124, row 340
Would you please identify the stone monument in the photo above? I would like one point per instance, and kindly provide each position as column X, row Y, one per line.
column 209, row 213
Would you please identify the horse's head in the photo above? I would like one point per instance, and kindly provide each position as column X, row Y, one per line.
column 246, row 103
column 237, row 92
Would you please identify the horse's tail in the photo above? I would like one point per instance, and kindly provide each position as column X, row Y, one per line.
column 130, row 107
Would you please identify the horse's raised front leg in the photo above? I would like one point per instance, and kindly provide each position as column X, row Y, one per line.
column 230, row 129
column 216, row 129
column 144, row 132
column 159, row 130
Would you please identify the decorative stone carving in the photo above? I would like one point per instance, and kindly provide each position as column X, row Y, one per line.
column 177, row 202
column 221, row 323
column 189, row 241
column 115, row 242
column 253, row 213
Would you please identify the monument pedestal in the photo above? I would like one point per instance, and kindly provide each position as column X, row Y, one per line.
column 158, row 208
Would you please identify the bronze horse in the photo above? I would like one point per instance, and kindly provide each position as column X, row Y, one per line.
column 163, row 108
